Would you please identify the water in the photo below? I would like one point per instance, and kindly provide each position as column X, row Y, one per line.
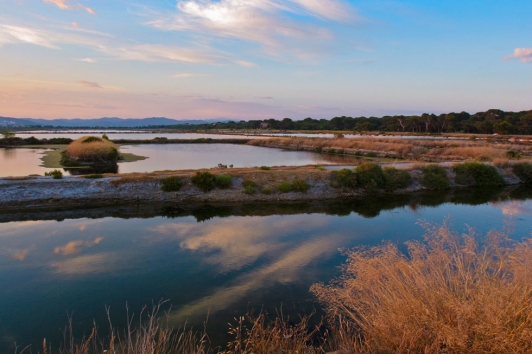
column 221, row 260
column 133, row 135
column 23, row 162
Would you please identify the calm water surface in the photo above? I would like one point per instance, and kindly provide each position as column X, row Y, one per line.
column 23, row 162
column 217, row 260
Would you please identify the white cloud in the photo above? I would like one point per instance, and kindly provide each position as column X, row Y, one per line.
column 267, row 22
column 16, row 34
column 523, row 54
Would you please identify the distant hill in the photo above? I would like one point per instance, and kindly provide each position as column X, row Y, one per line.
column 8, row 122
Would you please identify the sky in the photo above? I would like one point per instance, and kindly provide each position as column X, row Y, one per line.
column 260, row 59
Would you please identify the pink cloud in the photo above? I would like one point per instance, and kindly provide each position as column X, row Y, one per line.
column 523, row 54
column 63, row 5
column 89, row 84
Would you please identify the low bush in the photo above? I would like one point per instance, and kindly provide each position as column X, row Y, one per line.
column 204, row 181
column 267, row 190
column 171, row 184
column 284, row 187
column 56, row 174
column 370, row 176
column 434, row 178
column 90, row 151
column 250, row 187
column 343, row 178
column 477, row 174
column 300, row 185
column 93, row 176
column 224, row 181
column 265, row 168
column 523, row 170
column 511, row 154
column 396, row 179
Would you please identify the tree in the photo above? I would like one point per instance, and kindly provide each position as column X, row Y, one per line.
column 7, row 134
column 502, row 127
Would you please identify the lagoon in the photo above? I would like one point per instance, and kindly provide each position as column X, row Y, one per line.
column 208, row 259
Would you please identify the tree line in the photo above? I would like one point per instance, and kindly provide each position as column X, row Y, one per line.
column 489, row 122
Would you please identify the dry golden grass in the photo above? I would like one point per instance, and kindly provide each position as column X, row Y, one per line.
column 484, row 150
column 453, row 294
column 99, row 150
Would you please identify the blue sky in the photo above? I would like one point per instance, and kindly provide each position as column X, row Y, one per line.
column 257, row 59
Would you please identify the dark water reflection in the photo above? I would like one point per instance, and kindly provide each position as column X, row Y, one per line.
column 222, row 259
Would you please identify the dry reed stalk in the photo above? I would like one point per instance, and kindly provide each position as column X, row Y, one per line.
column 453, row 294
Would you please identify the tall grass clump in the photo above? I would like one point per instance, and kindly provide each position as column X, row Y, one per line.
column 449, row 294
column 224, row 181
column 396, row 179
column 171, row 184
column 300, row 185
column 434, row 178
column 343, row 178
column 370, row 176
column 284, row 187
column 477, row 174
column 205, row 181
column 90, row 150
column 250, row 187
column 523, row 170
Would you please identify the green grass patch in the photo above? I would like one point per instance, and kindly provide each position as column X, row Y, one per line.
column 56, row 174
column 224, row 181
column 93, row 176
column 265, row 168
column 250, row 187
column 205, row 181
column 91, row 139
column 171, row 184
column 284, row 187
column 300, row 185
column 267, row 190
column 477, row 174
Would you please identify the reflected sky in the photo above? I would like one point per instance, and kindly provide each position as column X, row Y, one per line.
column 222, row 265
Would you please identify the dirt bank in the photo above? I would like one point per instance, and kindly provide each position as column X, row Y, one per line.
column 74, row 191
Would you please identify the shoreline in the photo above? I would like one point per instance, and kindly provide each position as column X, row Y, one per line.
column 36, row 192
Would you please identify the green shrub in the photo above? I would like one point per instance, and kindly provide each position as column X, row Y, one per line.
column 171, row 184
column 56, row 174
column 371, row 154
column 105, row 137
column 91, row 139
column 250, row 187
column 523, row 170
column 343, row 178
column 319, row 149
column 267, row 190
column 396, row 179
column 434, row 178
column 477, row 174
column 93, row 176
column 511, row 154
column 300, row 185
column 224, row 181
column 370, row 176
column 284, row 187
column 204, row 181
column 265, row 168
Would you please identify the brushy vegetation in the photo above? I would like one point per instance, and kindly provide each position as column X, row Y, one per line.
column 523, row 170
column 90, row 150
column 300, row 185
column 171, row 184
column 451, row 294
column 56, row 174
column 434, row 178
column 250, row 187
column 370, row 176
column 284, row 187
column 267, row 190
column 343, row 178
column 224, row 181
column 396, row 179
column 477, row 174
column 265, row 168
column 93, row 176
column 205, row 181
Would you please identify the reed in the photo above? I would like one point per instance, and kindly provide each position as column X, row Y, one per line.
column 90, row 150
